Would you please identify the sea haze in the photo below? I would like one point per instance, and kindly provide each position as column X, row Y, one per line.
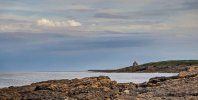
column 18, row 79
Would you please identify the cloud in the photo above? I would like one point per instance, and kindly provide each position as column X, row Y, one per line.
column 73, row 23
column 52, row 23
column 133, row 28
column 190, row 5
column 17, row 27
column 78, row 7
column 184, row 23
column 110, row 16
column 41, row 25
column 115, row 16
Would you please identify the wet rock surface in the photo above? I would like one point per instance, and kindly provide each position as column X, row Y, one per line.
column 181, row 87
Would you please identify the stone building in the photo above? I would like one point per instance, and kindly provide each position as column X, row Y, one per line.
column 135, row 63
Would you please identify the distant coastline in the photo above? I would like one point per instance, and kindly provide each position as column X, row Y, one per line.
column 170, row 66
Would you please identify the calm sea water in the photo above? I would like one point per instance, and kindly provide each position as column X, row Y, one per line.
column 18, row 79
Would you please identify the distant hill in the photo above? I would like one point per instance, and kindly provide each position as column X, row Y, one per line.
column 171, row 66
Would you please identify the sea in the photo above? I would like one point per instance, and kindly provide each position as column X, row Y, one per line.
column 25, row 78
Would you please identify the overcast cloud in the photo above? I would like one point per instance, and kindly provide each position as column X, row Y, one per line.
column 94, row 33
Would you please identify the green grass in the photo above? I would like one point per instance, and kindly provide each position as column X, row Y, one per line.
column 172, row 62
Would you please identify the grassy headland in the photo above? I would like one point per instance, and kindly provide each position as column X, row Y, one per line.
column 170, row 66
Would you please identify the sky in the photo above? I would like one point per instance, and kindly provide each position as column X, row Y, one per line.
column 77, row 35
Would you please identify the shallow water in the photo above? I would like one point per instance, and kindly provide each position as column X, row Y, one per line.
column 18, row 79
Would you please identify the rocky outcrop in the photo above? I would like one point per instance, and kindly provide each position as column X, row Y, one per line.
column 181, row 87
column 192, row 71
column 87, row 88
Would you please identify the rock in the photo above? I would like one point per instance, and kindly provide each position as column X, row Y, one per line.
column 181, row 87
column 156, row 80
column 126, row 91
column 193, row 70
column 126, row 86
column 176, row 88
column 9, row 95
column 86, row 88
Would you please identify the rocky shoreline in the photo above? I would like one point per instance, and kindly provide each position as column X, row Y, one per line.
column 181, row 87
